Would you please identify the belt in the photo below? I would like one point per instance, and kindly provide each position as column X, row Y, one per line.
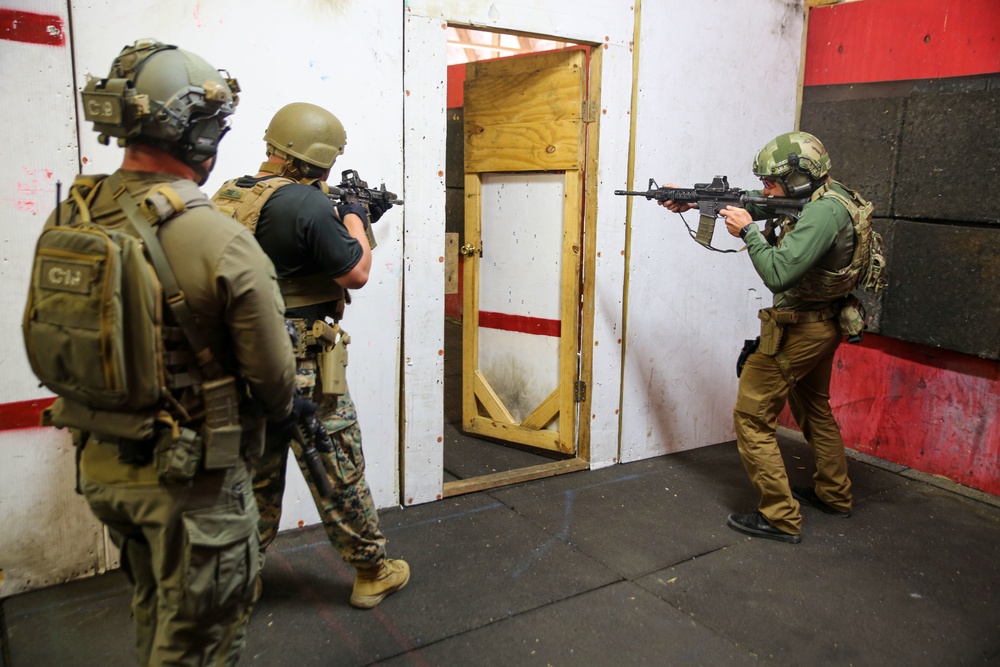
column 802, row 316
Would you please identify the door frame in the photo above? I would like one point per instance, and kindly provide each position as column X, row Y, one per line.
column 585, row 328
column 422, row 267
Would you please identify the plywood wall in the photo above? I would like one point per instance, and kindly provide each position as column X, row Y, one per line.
column 714, row 85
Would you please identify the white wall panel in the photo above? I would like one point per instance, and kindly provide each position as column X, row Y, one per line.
column 39, row 149
column 709, row 97
column 424, row 102
column 609, row 282
column 47, row 534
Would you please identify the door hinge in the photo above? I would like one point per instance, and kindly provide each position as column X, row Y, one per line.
column 580, row 391
column 588, row 112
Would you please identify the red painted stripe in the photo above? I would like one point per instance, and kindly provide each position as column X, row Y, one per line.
column 898, row 40
column 24, row 414
column 520, row 324
column 456, row 86
column 18, row 26
column 929, row 409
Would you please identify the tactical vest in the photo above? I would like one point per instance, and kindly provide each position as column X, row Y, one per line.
column 245, row 205
column 94, row 326
column 819, row 284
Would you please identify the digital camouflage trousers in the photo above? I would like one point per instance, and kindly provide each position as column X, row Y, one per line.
column 349, row 517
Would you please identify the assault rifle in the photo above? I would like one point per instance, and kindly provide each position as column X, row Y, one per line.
column 711, row 198
column 313, row 439
column 352, row 190
column 312, row 436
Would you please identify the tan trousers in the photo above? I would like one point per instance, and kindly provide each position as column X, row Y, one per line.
column 189, row 550
column 763, row 390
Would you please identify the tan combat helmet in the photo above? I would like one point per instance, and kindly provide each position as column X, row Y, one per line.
column 308, row 133
column 797, row 159
column 165, row 96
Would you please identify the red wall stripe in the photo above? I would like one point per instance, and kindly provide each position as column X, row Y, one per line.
column 898, row 40
column 929, row 409
column 520, row 324
column 456, row 86
column 23, row 414
column 18, row 26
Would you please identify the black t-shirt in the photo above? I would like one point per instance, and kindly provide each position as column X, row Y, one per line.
column 301, row 235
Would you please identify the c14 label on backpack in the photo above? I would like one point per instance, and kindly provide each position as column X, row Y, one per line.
column 65, row 275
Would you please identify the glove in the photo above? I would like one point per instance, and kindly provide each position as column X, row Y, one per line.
column 377, row 209
column 770, row 231
column 357, row 209
column 301, row 408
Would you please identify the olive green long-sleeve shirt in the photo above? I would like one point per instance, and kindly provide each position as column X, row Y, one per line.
column 823, row 236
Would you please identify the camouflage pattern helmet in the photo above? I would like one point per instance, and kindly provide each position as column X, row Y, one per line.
column 307, row 132
column 790, row 152
column 165, row 96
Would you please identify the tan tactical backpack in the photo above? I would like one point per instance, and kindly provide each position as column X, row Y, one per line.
column 94, row 316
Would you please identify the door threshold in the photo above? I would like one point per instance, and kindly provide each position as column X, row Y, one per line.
column 473, row 484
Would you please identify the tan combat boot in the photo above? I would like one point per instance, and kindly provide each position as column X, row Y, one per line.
column 372, row 584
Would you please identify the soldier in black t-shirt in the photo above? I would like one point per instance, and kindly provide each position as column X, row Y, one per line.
column 319, row 251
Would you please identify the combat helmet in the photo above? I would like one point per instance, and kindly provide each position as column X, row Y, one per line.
column 165, row 96
column 308, row 133
column 797, row 160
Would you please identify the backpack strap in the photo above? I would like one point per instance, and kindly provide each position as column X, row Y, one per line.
column 82, row 193
column 167, row 200
column 171, row 290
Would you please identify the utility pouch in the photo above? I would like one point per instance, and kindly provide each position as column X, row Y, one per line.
column 332, row 363
column 178, row 453
column 851, row 318
column 770, row 333
column 749, row 347
column 67, row 413
column 222, row 431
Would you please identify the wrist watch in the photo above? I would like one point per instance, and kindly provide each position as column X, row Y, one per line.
column 743, row 232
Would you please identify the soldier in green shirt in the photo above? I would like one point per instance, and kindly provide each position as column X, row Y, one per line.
column 810, row 264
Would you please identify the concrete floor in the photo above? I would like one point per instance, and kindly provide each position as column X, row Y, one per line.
column 627, row 565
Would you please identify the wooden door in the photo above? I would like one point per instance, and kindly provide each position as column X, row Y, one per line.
column 525, row 152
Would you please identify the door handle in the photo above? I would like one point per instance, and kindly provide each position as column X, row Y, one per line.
column 469, row 249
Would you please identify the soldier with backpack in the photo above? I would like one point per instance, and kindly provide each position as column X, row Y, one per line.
column 319, row 251
column 157, row 322
column 811, row 267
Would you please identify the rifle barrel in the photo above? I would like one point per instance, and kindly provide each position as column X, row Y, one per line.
column 764, row 200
